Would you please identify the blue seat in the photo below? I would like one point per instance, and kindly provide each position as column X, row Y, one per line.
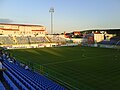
column 19, row 84
column 1, row 86
column 10, row 83
column 31, row 79
column 20, row 79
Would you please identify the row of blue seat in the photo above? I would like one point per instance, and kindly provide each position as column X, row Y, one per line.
column 1, row 86
column 109, row 42
column 15, row 80
column 10, row 83
column 31, row 80
column 20, row 82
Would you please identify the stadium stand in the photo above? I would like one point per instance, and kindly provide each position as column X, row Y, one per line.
column 22, row 40
column 30, row 40
column 56, row 38
column 15, row 40
column 19, row 78
column 7, row 40
column 1, row 86
column 113, row 41
column 10, row 82
column 34, row 40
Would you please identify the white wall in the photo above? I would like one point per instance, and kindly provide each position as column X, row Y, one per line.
column 98, row 37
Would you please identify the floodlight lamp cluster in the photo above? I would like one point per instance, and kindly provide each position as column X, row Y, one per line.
column 51, row 10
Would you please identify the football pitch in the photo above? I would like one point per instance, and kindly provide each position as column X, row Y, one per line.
column 86, row 68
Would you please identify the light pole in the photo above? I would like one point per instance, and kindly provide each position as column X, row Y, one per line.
column 51, row 11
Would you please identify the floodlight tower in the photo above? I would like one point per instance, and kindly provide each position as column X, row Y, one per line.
column 51, row 11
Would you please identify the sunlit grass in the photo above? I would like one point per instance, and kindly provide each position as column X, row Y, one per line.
column 90, row 68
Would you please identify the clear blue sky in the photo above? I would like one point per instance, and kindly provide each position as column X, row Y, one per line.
column 69, row 15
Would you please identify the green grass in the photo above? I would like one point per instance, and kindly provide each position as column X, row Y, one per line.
column 87, row 68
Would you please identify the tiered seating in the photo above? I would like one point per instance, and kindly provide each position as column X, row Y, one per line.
column 22, row 40
column 116, row 40
column 6, row 40
column 30, row 39
column 28, row 80
column 107, row 42
column 37, row 40
column 10, row 82
column 33, row 40
column 113, row 41
column 118, row 43
column 1, row 86
column 41, row 39
column 17, row 79
column 56, row 38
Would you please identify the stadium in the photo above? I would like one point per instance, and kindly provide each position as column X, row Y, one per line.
column 78, row 60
